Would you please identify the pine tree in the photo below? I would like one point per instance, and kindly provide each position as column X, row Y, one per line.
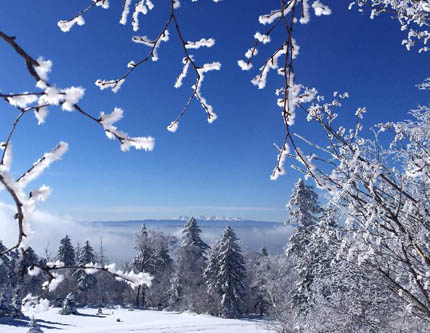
column 26, row 283
column 158, row 294
column 210, row 275
column 153, row 257
column 191, row 240
column 66, row 252
column 86, row 282
column 143, row 262
column 304, row 212
column 189, row 284
column 226, row 275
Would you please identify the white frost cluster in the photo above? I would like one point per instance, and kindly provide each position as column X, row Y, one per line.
column 102, row 3
column 41, row 194
column 41, row 113
column 320, row 9
column 173, row 127
column 208, row 108
column 282, row 155
column 261, row 79
column 305, row 18
column 176, row 4
column 66, row 25
column 53, row 283
column 245, row 66
column 125, row 12
column 43, row 163
column 142, row 7
column 262, row 38
column 107, row 121
column 153, row 44
column 28, row 202
column 184, row 72
column 92, row 268
column 251, row 52
column 114, row 85
column 44, row 68
column 55, row 264
column 202, row 42
column 424, row 85
column 133, row 279
column 34, row 304
column 22, row 100
column 72, row 96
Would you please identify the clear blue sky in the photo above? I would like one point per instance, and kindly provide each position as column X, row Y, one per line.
column 202, row 169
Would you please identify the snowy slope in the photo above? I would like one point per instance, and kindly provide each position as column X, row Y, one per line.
column 136, row 321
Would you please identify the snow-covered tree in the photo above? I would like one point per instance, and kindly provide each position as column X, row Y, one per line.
column 188, row 281
column 158, row 295
column 191, row 240
column 153, row 257
column 258, row 274
column 226, row 275
column 69, row 305
column 86, row 280
column 66, row 252
column 304, row 211
column 143, row 261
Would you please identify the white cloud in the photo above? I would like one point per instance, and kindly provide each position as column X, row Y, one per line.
column 49, row 228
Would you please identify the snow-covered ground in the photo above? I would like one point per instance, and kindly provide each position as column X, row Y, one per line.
column 135, row 321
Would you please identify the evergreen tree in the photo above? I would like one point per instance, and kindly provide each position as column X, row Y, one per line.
column 158, row 293
column 226, row 275
column 144, row 261
column 210, row 276
column 86, row 282
column 66, row 252
column 25, row 282
column 258, row 282
column 191, row 240
column 304, row 212
column 189, row 284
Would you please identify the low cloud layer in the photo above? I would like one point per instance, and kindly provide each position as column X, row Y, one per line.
column 118, row 240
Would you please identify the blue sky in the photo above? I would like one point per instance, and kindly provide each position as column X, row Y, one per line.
column 203, row 169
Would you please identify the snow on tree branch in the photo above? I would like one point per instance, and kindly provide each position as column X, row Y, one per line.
column 413, row 16
column 143, row 7
column 39, row 102
column 291, row 94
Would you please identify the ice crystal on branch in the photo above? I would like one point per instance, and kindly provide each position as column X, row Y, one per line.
column 202, row 42
column 413, row 17
column 291, row 95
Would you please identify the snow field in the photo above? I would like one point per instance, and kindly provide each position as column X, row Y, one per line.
column 147, row 321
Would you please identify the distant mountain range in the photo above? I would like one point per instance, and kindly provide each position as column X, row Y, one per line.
column 209, row 218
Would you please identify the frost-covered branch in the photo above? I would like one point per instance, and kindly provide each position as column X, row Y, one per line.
column 290, row 94
column 413, row 16
column 39, row 102
column 143, row 7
